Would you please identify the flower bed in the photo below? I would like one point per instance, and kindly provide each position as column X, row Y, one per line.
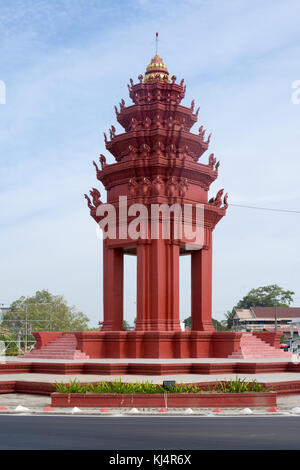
column 233, row 393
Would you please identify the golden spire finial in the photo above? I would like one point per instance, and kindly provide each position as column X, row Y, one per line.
column 156, row 67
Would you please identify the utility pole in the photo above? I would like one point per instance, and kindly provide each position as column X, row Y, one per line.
column 275, row 315
column 26, row 318
column 19, row 342
column 50, row 317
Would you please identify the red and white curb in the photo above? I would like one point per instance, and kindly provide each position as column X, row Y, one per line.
column 151, row 412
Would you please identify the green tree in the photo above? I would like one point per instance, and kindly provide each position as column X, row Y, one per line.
column 217, row 325
column 265, row 296
column 229, row 318
column 126, row 325
column 43, row 312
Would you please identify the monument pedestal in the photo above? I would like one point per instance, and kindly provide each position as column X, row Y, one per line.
column 157, row 344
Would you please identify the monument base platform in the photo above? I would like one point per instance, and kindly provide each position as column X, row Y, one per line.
column 159, row 344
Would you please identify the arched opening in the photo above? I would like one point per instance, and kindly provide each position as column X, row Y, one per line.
column 184, row 287
column 129, row 299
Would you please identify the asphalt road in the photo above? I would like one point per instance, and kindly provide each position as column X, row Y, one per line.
column 155, row 433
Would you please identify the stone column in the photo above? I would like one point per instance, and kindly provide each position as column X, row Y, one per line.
column 112, row 289
column 172, row 268
column 202, row 289
column 143, row 300
column 158, row 286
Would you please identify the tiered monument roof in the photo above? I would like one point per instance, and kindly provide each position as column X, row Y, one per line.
column 157, row 154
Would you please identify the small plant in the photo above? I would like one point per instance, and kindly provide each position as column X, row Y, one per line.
column 185, row 388
column 237, row 385
column 74, row 386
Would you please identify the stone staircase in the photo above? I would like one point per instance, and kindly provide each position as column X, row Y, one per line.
column 63, row 347
column 252, row 347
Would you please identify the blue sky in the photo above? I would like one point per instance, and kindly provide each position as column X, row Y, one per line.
column 66, row 63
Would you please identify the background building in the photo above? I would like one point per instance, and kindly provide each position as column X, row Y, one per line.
column 263, row 318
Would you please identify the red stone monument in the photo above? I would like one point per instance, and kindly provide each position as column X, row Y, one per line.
column 157, row 210
column 157, row 163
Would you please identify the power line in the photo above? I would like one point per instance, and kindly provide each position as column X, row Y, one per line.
column 265, row 208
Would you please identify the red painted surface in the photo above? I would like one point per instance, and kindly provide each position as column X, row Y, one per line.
column 34, row 388
column 49, row 408
column 273, row 409
column 263, row 368
column 44, row 337
column 56, row 368
column 224, row 343
column 286, row 388
column 179, row 344
column 57, row 345
column 157, row 400
column 272, row 338
column 126, row 368
column 15, row 367
column 7, row 386
column 252, row 346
